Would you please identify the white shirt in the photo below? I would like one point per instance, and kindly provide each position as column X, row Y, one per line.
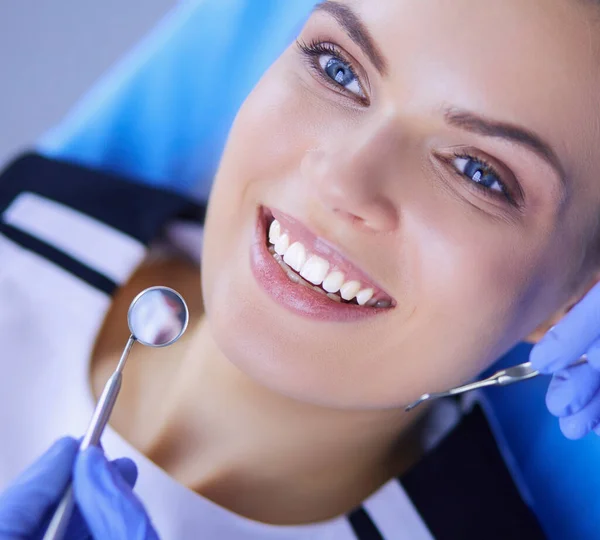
column 67, row 240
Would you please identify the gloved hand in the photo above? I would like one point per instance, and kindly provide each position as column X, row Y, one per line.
column 26, row 506
column 107, row 501
column 574, row 391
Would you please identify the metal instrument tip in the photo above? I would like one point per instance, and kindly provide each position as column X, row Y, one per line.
column 423, row 398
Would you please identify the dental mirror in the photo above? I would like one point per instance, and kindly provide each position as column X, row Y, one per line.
column 157, row 317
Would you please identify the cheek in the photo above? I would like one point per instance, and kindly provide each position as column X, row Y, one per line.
column 470, row 278
column 265, row 145
column 287, row 115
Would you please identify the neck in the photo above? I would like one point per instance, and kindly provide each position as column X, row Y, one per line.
column 264, row 455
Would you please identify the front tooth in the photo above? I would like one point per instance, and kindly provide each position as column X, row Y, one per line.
column 295, row 256
column 333, row 282
column 364, row 296
column 274, row 231
column 315, row 270
column 282, row 243
column 350, row 289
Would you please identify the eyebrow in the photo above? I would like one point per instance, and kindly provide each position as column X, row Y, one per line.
column 490, row 128
column 356, row 29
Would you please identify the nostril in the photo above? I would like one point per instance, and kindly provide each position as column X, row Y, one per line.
column 363, row 224
column 378, row 220
column 356, row 221
column 373, row 221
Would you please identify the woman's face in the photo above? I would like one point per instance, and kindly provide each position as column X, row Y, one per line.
column 443, row 154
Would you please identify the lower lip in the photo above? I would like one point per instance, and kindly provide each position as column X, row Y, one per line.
column 295, row 297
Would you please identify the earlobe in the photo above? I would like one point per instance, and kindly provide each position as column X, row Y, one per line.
column 541, row 330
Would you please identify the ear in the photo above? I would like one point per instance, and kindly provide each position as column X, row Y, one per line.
column 556, row 317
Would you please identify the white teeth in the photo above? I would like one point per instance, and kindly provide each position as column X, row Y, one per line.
column 364, row 296
column 315, row 270
column 350, row 289
column 333, row 282
column 295, row 256
column 282, row 244
column 274, row 231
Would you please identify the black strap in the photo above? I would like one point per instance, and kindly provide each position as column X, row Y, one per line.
column 363, row 526
column 65, row 261
column 139, row 210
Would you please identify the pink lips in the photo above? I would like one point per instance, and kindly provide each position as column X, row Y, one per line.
column 298, row 298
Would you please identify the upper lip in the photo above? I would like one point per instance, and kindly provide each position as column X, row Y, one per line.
column 324, row 248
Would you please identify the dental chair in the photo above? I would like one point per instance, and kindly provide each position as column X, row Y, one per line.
column 161, row 116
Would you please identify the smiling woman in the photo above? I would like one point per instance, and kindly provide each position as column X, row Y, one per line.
column 421, row 158
column 407, row 193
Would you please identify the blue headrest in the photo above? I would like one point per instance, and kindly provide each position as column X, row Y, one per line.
column 162, row 116
column 557, row 475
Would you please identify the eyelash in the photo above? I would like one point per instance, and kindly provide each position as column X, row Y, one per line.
column 314, row 50
column 490, row 169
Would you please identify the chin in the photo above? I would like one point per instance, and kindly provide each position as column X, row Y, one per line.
column 267, row 350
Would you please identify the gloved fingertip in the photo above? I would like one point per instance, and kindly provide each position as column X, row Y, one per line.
column 59, row 456
column 572, row 389
column 64, row 444
column 578, row 426
column 543, row 356
column 105, row 498
column 90, row 464
column 593, row 355
column 127, row 469
column 93, row 454
column 572, row 429
column 92, row 467
column 555, row 407
column 559, row 395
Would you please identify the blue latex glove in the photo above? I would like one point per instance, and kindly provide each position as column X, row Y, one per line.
column 26, row 506
column 107, row 501
column 574, row 392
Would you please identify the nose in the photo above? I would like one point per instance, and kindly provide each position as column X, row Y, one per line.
column 351, row 177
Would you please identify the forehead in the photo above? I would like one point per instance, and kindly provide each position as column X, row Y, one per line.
column 531, row 62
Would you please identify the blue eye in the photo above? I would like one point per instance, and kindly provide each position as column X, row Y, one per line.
column 341, row 73
column 480, row 173
column 329, row 63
